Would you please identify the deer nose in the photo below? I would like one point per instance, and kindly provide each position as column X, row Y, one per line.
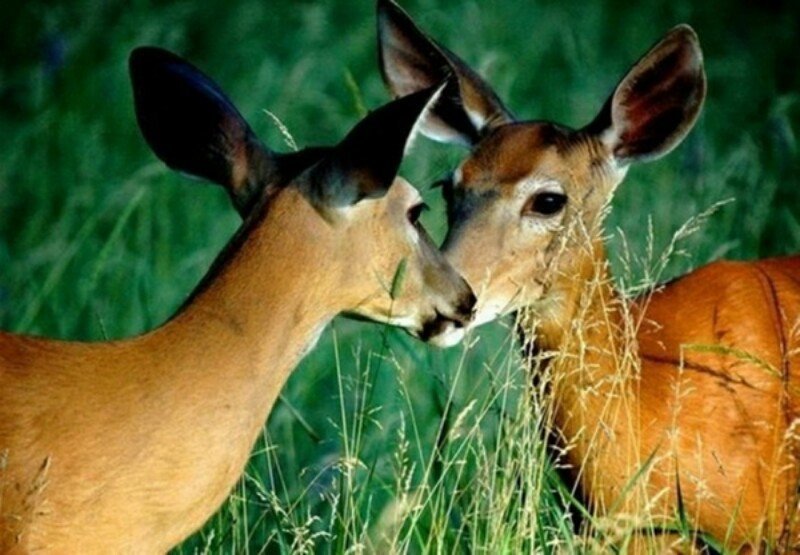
column 465, row 307
column 447, row 329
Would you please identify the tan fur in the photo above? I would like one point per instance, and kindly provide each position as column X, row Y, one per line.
column 697, row 379
column 129, row 446
column 719, row 421
column 694, row 384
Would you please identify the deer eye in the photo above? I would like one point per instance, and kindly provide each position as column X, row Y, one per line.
column 415, row 212
column 546, row 203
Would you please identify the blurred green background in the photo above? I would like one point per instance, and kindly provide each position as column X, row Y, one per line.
column 99, row 240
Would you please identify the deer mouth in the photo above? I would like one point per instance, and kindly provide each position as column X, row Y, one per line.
column 442, row 331
column 445, row 330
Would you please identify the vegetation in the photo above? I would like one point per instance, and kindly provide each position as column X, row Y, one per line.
column 379, row 443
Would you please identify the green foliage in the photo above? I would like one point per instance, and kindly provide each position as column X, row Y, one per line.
column 379, row 443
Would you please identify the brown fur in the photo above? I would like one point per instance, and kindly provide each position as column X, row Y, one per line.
column 130, row 446
column 141, row 441
column 697, row 379
column 704, row 395
column 693, row 385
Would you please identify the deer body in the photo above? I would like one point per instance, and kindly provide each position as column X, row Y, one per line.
column 691, row 389
column 171, row 440
column 656, row 402
column 129, row 446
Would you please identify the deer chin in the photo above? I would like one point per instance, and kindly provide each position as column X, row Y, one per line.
column 440, row 331
column 492, row 307
column 451, row 336
column 487, row 312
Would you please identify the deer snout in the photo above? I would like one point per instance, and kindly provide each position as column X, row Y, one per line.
column 465, row 307
column 448, row 325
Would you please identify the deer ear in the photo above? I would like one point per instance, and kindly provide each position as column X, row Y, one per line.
column 192, row 126
column 657, row 103
column 411, row 61
column 366, row 162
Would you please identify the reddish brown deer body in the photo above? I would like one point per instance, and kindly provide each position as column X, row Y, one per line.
column 129, row 446
column 691, row 388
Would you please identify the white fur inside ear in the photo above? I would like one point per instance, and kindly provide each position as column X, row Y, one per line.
column 437, row 130
column 430, row 125
column 620, row 169
column 476, row 118
column 610, row 138
column 423, row 117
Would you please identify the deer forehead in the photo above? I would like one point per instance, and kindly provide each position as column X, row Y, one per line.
column 519, row 152
column 516, row 157
column 395, row 202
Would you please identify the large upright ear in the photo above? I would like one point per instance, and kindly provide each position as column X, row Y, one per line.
column 655, row 106
column 192, row 126
column 411, row 61
column 366, row 162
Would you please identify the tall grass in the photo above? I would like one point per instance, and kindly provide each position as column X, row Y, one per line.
column 379, row 443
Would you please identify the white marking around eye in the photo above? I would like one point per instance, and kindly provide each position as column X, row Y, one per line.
column 528, row 187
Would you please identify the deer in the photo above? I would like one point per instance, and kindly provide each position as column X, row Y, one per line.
column 679, row 403
column 130, row 445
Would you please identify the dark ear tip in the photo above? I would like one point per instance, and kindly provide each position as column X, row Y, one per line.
column 390, row 13
column 683, row 35
column 387, row 7
column 144, row 58
column 145, row 54
column 684, row 40
column 139, row 57
column 685, row 31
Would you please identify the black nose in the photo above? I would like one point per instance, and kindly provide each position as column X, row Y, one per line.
column 436, row 326
column 463, row 312
column 466, row 306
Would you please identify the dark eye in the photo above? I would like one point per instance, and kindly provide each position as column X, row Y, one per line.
column 415, row 212
column 545, row 204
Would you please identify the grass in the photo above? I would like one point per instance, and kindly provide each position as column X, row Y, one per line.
column 379, row 443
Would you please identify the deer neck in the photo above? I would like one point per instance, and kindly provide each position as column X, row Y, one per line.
column 580, row 304
column 225, row 357
column 266, row 299
column 587, row 353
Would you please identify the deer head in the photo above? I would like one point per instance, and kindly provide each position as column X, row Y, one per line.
column 378, row 262
column 528, row 200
